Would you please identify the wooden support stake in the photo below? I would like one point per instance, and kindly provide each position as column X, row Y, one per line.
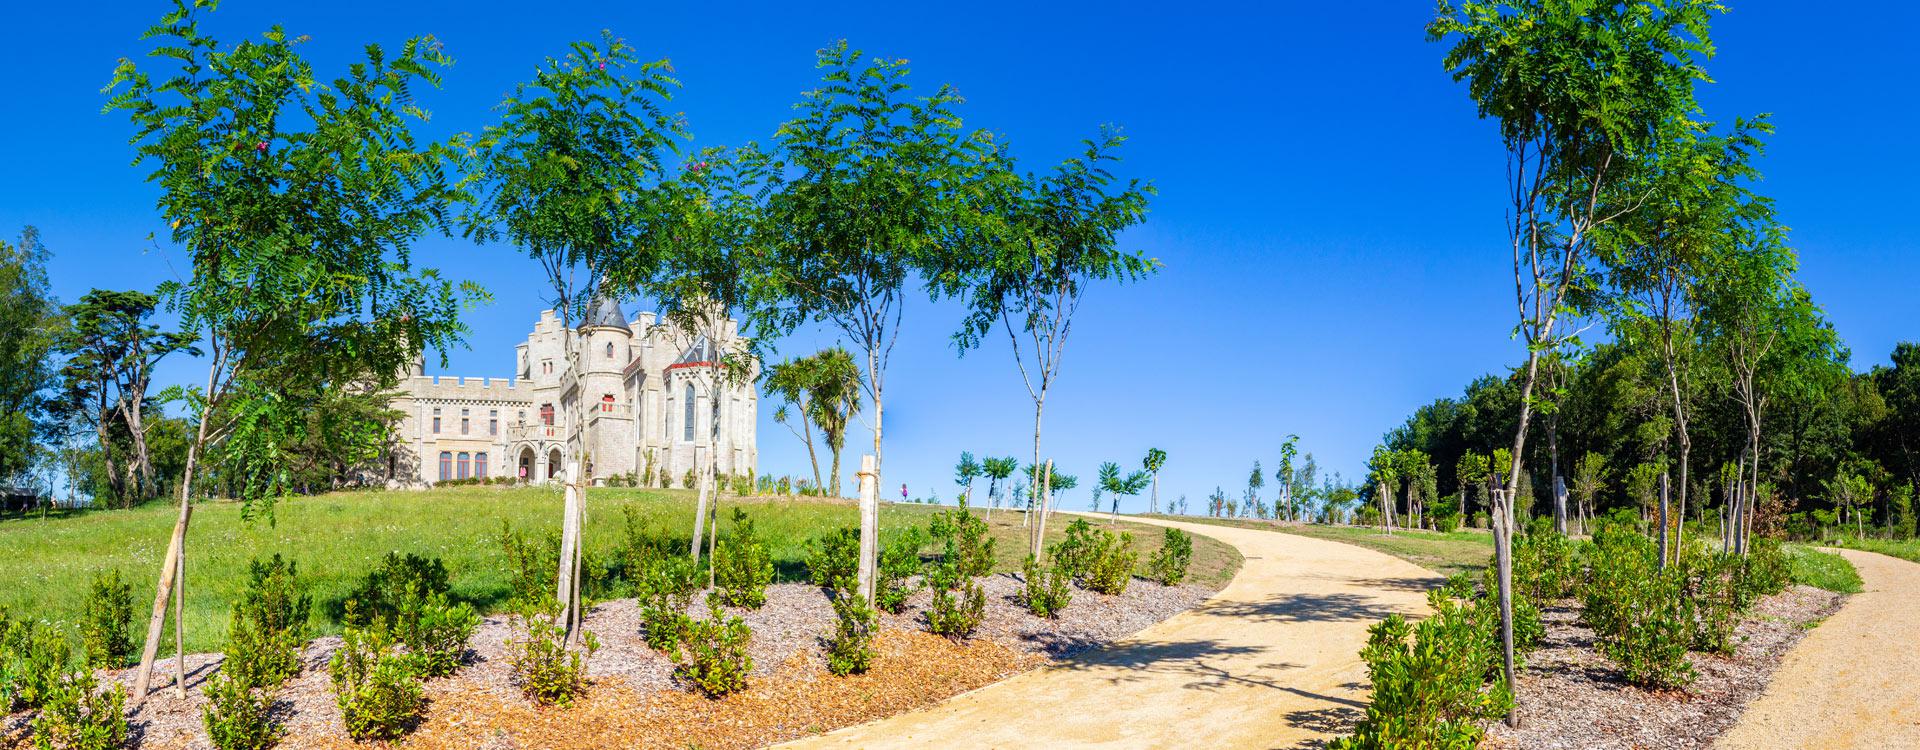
column 169, row 572
column 869, row 527
column 180, row 626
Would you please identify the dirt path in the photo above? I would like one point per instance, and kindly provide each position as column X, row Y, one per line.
column 1272, row 661
column 1852, row 682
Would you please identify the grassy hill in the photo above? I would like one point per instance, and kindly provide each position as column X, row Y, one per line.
column 337, row 538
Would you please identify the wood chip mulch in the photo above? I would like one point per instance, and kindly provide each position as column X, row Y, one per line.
column 636, row 702
column 1575, row 699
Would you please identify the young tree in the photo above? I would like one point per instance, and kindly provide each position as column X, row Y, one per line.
column 1589, row 480
column 1283, row 479
column 837, row 399
column 1581, row 91
column 869, row 202
column 1156, row 460
column 1471, row 474
column 1385, row 465
column 1043, row 242
column 1255, row 481
column 572, row 176
column 792, row 382
column 111, row 351
column 997, row 471
column 1118, row 486
column 963, row 474
column 297, row 201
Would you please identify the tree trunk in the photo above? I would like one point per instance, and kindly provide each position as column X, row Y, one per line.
column 1503, row 561
column 1663, row 521
column 869, row 529
column 1037, row 527
column 177, row 544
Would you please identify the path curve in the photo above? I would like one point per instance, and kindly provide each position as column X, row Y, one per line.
column 1271, row 661
column 1854, row 682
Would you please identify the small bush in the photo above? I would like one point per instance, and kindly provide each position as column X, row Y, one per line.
column 1546, row 565
column 687, row 480
column 79, row 716
column 1640, row 615
column 1110, row 566
column 1075, row 553
column 899, row 563
column 1048, row 589
column 1446, row 520
column 549, row 673
column 1432, row 692
column 376, row 687
column 379, row 596
column 269, row 625
column 833, row 559
column 958, row 603
column 530, row 568
column 435, row 632
column 965, row 541
column 106, row 624
column 712, row 653
column 33, row 658
column 1765, row 572
column 665, row 588
column 850, row 650
column 238, row 716
column 742, row 568
column 1169, row 564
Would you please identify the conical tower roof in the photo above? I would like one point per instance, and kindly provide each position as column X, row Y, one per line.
column 605, row 313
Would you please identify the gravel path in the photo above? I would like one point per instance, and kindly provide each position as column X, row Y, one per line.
column 1272, row 661
column 1851, row 683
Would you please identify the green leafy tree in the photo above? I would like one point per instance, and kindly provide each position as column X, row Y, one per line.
column 571, row 175
column 1582, row 93
column 1589, row 480
column 963, row 474
column 997, row 471
column 825, row 389
column 1043, row 242
column 868, row 204
column 297, row 201
column 1283, row 478
column 111, row 351
column 1472, row 472
column 29, row 322
column 1118, row 486
column 1155, row 460
column 1255, row 480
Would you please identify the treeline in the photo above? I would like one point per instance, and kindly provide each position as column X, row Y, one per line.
column 1836, row 445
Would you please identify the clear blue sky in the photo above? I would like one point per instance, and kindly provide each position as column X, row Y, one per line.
column 1329, row 211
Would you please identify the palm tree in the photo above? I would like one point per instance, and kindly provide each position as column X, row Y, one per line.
column 835, row 391
column 1155, row 459
column 792, row 381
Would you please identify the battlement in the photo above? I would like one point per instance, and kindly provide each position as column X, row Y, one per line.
column 468, row 388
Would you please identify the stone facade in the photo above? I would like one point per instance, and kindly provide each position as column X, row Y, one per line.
column 646, row 398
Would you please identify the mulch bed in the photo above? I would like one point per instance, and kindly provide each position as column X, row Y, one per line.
column 636, row 702
column 1574, row 698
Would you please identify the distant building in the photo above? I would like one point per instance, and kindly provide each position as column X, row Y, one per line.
column 645, row 386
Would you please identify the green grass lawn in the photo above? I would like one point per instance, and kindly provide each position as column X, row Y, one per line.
column 1824, row 570
column 1905, row 549
column 337, row 538
column 1446, row 554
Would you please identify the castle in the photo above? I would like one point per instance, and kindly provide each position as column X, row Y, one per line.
column 647, row 408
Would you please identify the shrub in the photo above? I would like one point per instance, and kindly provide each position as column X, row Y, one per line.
column 1640, row 616
column 238, row 716
column 530, row 568
column 1446, row 520
column 79, row 716
column 899, row 563
column 1432, row 693
column 833, row 559
column 1048, row 589
column 712, row 653
column 435, row 632
column 549, row 673
column 33, row 658
column 687, row 480
column 742, row 568
column 958, row 603
column 269, row 625
column 1110, row 566
column 665, row 588
column 398, row 578
column 378, row 691
column 106, row 623
column 1545, row 566
column 850, row 650
column 1075, row 552
column 1169, row 564
column 1528, row 628
column 965, row 541
column 1764, row 572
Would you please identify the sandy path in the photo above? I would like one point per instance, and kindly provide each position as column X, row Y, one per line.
column 1271, row 661
column 1854, row 682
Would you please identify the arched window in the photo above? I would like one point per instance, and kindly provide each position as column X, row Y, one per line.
column 686, row 427
column 463, row 465
column 606, row 403
column 480, row 464
column 609, row 350
column 446, row 465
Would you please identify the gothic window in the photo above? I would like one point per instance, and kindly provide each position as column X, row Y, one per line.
column 493, row 421
column 446, row 466
column 686, row 427
column 463, row 465
column 463, row 421
column 609, row 350
column 480, row 464
column 546, row 414
column 436, row 420
column 606, row 402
